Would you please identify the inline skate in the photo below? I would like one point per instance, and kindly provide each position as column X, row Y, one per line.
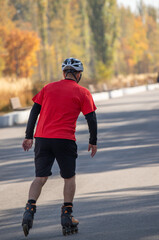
column 68, row 222
column 28, row 218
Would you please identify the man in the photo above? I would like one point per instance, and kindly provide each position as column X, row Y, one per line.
column 59, row 105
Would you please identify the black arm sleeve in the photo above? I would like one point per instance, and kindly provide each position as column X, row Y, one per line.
column 92, row 125
column 32, row 120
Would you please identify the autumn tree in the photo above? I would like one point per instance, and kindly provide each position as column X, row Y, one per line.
column 87, row 42
column 126, row 19
column 6, row 14
column 107, row 38
column 25, row 14
column 132, row 42
column 2, row 54
column 103, row 23
column 136, row 47
column 66, row 33
column 152, row 29
column 42, row 9
column 23, row 10
column 21, row 49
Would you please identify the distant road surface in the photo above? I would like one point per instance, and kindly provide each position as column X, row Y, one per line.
column 117, row 195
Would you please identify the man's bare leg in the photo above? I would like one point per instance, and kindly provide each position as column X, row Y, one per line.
column 69, row 189
column 36, row 187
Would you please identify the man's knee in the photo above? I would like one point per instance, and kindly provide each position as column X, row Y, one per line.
column 41, row 180
column 69, row 180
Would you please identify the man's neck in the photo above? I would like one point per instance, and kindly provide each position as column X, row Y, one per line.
column 69, row 78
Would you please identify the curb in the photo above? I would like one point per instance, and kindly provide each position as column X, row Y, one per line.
column 14, row 118
column 21, row 117
column 123, row 92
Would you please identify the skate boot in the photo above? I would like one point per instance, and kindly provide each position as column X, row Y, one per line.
column 68, row 222
column 28, row 218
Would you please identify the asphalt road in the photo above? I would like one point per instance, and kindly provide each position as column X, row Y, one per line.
column 117, row 195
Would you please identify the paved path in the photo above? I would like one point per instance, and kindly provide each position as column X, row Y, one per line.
column 117, row 194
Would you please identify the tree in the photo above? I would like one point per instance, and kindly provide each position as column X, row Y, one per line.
column 103, row 23
column 21, row 49
column 2, row 54
column 23, row 10
column 141, row 7
column 132, row 46
column 42, row 6
column 6, row 14
column 126, row 19
column 66, row 33
column 25, row 14
column 152, row 29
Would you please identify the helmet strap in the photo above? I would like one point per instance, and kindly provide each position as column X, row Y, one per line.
column 79, row 78
column 69, row 71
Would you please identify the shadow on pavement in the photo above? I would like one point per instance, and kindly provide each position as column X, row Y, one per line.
column 132, row 142
column 106, row 216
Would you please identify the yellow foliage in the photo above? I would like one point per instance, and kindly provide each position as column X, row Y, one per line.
column 6, row 13
column 21, row 47
column 136, row 44
column 138, row 40
column 66, row 37
column 103, row 72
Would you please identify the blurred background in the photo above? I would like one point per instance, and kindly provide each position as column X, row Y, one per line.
column 117, row 41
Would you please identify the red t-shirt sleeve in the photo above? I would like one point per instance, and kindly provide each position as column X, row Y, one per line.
column 38, row 98
column 88, row 103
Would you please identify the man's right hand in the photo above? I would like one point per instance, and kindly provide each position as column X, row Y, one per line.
column 93, row 149
column 27, row 144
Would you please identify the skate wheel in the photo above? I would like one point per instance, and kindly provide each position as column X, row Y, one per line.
column 76, row 230
column 25, row 230
column 66, row 231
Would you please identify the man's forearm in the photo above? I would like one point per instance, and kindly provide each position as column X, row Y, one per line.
column 92, row 125
column 32, row 120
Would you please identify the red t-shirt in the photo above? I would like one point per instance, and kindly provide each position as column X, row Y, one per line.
column 61, row 103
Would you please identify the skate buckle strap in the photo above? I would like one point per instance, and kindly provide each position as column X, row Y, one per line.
column 66, row 210
column 30, row 207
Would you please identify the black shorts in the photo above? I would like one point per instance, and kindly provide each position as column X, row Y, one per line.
column 47, row 149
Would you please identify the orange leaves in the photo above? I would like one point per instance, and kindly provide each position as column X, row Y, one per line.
column 139, row 34
column 136, row 44
column 21, row 49
column 138, row 40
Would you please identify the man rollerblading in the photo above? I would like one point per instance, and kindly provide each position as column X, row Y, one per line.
column 59, row 105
